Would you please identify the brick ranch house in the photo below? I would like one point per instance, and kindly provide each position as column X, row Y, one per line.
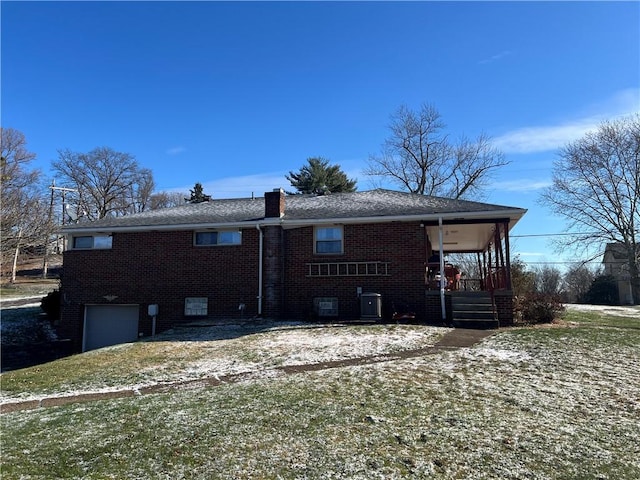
column 340, row 256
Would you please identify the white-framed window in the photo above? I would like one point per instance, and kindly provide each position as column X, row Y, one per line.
column 221, row 237
column 97, row 242
column 328, row 240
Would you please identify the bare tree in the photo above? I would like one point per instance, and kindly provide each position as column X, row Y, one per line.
column 14, row 158
column 548, row 280
column 166, row 199
column 138, row 195
column 421, row 158
column 24, row 221
column 596, row 187
column 578, row 280
column 108, row 182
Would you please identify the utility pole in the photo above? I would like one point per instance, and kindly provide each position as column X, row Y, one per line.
column 63, row 191
column 47, row 238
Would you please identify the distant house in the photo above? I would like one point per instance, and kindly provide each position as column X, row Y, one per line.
column 340, row 256
column 616, row 264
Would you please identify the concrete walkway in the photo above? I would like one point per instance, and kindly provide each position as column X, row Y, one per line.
column 457, row 338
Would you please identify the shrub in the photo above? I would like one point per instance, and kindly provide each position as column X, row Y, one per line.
column 51, row 305
column 539, row 308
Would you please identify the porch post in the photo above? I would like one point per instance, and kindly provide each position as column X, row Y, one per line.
column 443, row 279
column 508, row 254
column 500, row 265
column 489, row 263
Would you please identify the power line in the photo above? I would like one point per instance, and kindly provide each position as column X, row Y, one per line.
column 563, row 263
column 551, row 234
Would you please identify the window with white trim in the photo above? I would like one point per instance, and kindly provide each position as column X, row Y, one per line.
column 328, row 240
column 221, row 237
column 97, row 242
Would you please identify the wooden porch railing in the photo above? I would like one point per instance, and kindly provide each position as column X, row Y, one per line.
column 497, row 279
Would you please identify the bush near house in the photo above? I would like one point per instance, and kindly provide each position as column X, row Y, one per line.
column 51, row 305
column 534, row 308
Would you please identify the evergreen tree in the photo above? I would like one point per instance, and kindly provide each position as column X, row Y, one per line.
column 319, row 177
column 603, row 291
column 198, row 195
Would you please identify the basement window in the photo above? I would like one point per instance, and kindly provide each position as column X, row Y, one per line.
column 196, row 306
column 222, row 237
column 97, row 242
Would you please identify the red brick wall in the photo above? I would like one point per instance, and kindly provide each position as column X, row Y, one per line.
column 400, row 244
column 162, row 268
column 165, row 267
column 272, row 272
column 274, row 204
column 434, row 308
column 504, row 307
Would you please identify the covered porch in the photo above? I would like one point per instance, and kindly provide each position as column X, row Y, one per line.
column 478, row 293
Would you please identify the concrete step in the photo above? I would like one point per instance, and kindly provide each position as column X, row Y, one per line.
column 486, row 307
column 470, row 294
column 473, row 310
column 475, row 323
column 471, row 301
column 473, row 314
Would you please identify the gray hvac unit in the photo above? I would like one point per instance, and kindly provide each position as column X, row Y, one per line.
column 371, row 305
column 325, row 306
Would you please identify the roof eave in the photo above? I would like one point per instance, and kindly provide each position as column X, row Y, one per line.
column 160, row 227
column 513, row 215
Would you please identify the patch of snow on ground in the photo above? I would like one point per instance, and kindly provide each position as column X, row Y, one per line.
column 25, row 325
column 255, row 350
column 326, row 345
column 283, row 345
column 496, row 354
column 621, row 311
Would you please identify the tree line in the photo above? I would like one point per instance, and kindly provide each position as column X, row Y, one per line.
column 595, row 181
column 579, row 284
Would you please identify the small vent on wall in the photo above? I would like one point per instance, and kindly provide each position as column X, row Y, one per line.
column 325, row 306
column 195, row 306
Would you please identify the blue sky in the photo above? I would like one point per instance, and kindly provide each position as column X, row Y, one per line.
column 237, row 94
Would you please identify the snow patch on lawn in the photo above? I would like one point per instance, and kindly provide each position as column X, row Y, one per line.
column 620, row 311
column 190, row 354
column 324, row 346
column 25, row 325
column 515, row 356
column 289, row 345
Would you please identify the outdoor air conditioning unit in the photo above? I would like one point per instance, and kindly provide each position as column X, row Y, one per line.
column 325, row 306
column 371, row 305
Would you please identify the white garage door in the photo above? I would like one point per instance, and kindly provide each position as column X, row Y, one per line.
column 109, row 325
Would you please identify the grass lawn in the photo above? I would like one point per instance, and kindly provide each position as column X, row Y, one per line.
column 527, row 403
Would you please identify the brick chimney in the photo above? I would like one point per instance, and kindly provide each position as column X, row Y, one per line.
column 274, row 203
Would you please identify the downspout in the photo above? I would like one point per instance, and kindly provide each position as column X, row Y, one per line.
column 260, row 249
column 443, row 279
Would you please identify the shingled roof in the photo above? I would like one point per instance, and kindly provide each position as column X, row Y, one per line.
column 373, row 205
